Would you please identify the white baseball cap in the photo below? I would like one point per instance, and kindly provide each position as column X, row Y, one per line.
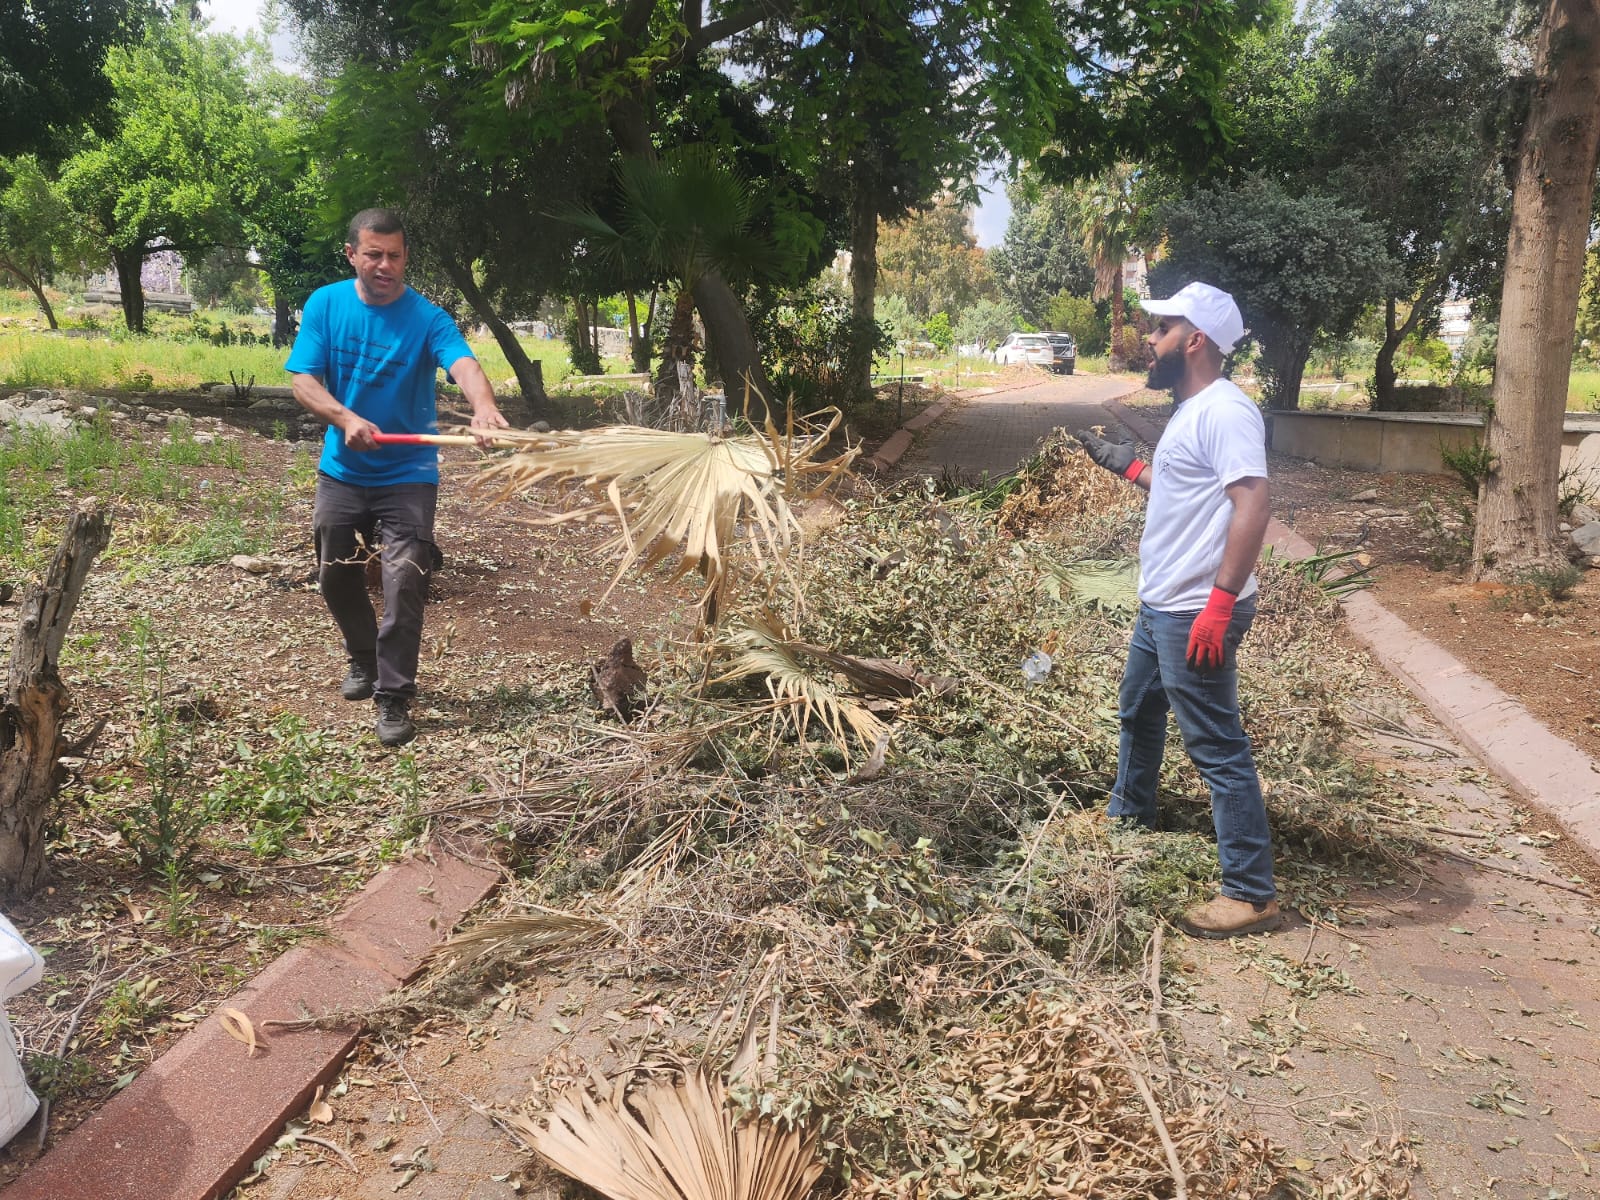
column 1210, row 310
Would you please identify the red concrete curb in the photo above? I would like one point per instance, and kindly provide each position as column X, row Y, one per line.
column 190, row 1126
column 1545, row 770
column 898, row 442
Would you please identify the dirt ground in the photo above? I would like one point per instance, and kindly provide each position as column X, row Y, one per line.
column 1323, row 1034
column 1543, row 652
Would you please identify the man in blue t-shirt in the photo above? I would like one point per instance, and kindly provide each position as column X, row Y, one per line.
column 366, row 361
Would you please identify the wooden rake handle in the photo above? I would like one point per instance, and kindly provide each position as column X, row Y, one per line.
column 426, row 439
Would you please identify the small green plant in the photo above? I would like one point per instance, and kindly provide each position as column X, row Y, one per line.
column 54, row 1078
column 1446, row 536
column 303, row 771
column 1549, row 583
column 180, row 918
column 130, row 1005
column 408, row 822
column 1471, row 464
column 164, row 825
column 1575, row 486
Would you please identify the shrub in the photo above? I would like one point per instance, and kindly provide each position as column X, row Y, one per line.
column 940, row 333
column 1078, row 316
column 815, row 345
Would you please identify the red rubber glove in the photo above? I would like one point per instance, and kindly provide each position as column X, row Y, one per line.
column 1206, row 650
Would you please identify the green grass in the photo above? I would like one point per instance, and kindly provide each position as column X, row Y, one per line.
column 39, row 359
column 1583, row 391
column 42, row 469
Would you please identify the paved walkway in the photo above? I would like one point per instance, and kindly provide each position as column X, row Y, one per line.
column 992, row 433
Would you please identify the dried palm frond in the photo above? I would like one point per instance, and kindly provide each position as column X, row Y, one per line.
column 544, row 931
column 879, row 676
column 755, row 648
column 687, row 493
column 670, row 1138
column 1109, row 585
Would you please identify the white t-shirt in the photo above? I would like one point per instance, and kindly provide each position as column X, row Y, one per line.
column 1216, row 438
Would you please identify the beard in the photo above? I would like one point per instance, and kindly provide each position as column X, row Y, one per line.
column 1166, row 372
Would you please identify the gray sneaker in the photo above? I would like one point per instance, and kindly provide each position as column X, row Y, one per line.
column 360, row 681
column 395, row 727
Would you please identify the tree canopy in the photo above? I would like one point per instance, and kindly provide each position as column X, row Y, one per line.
column 52, row 55
column 179, row 160
column 1296, row 265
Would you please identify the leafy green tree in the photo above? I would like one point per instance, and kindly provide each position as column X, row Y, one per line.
column 895, row 315
column 1398, row 109
column 1041, row 255
column 1105, row 211
column 939, row 331
column 1296, row 264
column 180, row 159
column 932, row 260
column 985, row 323
column 1078, row 316
column 685, row 215
column 52, row 54
column 288, row 219
column 39, row 233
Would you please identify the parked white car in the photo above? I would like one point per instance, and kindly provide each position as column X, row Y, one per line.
column 1019, row 349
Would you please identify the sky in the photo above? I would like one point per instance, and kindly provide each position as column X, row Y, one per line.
column 989, row 222
column 234, row 16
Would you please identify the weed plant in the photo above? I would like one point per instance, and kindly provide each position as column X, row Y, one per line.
column 162, row 519
column 1471, row 464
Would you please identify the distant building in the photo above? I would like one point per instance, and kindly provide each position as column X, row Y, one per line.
column 1136, row 274
column 161, row 278
column 1455, row 324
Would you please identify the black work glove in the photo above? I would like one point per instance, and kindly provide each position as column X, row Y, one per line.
column 1120, row 458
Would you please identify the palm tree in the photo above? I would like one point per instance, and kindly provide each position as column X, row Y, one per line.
column 1105, row 212
column 681, row 217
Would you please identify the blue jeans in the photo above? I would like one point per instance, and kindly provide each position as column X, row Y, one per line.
column 1206, row 706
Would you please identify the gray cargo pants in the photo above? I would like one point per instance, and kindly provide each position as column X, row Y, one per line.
column 349, row 522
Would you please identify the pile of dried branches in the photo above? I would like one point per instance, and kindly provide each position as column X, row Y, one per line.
column 959, row 935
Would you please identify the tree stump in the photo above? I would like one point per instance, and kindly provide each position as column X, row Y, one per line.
column 31, row 738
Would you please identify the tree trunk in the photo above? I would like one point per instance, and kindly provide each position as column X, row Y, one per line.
column 1551, row 205
column 31, row 741
column 1384, row 377
column 1117, row 360
column 130, row 266
column 863, row 285
column 35, row 285
column 639, row 336
column 727, row 326
column 282, row 321
column 1285, row 362
column 1383, row 373
column 530, row 374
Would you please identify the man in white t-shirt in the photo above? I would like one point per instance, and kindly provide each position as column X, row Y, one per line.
column 1203, row 533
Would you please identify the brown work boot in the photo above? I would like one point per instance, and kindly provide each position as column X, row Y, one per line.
column 1224, row 917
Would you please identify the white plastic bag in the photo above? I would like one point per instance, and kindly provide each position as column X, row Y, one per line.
column 21, row 966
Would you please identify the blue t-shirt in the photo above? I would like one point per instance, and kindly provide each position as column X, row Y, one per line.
column 381, row 361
